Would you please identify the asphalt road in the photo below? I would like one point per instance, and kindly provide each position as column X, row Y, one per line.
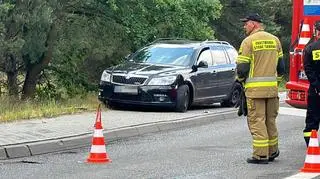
column 216, row 150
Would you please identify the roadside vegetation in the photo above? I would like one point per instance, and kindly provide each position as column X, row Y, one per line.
column 52, row 52
column 22, row 110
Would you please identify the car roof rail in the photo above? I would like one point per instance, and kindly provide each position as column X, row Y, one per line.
column 167, row 39
column 216, row 42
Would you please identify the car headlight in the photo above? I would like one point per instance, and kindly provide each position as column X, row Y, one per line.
column 167, row 80
column 106, row 76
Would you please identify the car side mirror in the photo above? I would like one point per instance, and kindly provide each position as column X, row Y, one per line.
column 203, row 64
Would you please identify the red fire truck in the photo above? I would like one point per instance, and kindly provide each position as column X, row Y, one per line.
column 304, row 15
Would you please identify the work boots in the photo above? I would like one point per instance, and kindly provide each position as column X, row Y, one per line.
column 274, row 155
column 263, row 159
column 257, row 161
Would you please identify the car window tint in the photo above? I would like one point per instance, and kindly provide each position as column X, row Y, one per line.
column 205, row 56
column 218, row 55
column 232, row 53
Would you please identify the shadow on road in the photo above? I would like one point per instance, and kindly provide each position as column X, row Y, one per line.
column 125, row 107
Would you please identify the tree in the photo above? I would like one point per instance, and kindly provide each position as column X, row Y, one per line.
column 40, row 23
column 10, row 45
column 277, row 19
column 110, row 30
column 59, row 48
column 146, row 20
column 40, row 35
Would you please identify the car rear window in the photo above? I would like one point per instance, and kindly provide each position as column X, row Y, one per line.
column 232, row 53
column 219, row 56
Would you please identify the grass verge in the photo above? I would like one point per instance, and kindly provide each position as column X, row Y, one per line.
column 22, row 110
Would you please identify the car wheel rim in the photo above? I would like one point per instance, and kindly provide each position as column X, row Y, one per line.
column 235, row 96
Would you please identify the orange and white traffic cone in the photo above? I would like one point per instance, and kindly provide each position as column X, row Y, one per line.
column 312, row 162
column 305, row 35
column 98, row 153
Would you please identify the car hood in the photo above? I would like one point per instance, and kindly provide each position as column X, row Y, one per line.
column 148, row 69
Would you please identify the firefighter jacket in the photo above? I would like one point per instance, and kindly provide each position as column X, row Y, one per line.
column 259, row 63
column 311, row 61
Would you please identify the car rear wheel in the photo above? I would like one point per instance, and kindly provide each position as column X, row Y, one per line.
column 183, row 97
column 233, row 97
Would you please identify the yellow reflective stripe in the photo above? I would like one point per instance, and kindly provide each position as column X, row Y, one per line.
column 261, row 84
column 240, row 50
column 280, row 54
column 307, row 134
column 251, row 67
column 264, row 45
column 243, row 59
column 260, row 143
column 273, row 142
column 262, row 79
column 316, row 54
column 279, row 78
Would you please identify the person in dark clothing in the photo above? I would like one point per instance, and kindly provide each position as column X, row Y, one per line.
column 311, row 62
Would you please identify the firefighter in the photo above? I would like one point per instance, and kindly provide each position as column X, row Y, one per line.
column 259, row 67
column 311, row 64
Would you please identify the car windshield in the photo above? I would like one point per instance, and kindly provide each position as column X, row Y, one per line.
column 168, row 54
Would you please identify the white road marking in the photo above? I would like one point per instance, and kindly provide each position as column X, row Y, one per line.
column 293, row 111
column 283, row 96
column 303, row 176
column 301, row 113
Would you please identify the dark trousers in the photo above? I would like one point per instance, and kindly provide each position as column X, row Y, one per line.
column 313, row 113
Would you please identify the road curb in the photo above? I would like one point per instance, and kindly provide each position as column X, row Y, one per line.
column 84, row 140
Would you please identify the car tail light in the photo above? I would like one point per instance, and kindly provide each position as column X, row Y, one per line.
column 297, row 95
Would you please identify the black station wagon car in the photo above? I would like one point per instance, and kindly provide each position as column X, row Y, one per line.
column 174, row 73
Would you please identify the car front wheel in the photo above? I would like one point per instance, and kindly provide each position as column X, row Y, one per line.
column 183, row 97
